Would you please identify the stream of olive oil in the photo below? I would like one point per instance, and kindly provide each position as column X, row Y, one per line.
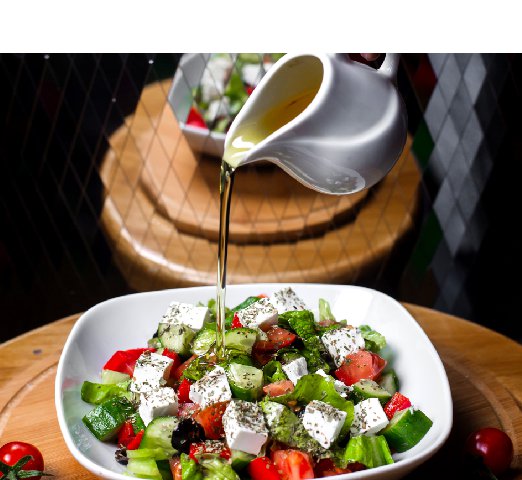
column 247, row 136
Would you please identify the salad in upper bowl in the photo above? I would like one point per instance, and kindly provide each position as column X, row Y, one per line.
column 208, row 91
column 297, row 395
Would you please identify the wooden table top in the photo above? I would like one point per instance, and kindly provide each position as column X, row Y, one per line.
column 484, row 369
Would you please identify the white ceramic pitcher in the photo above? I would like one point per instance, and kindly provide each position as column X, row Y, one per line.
column 347, row 138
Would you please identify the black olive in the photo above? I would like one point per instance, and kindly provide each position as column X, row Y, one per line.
column 121, row 456
column 188, row 432
column 155, row 334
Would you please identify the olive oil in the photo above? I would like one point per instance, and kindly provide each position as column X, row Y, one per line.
column 250, row 133
column 226, row 181
column 247, row 136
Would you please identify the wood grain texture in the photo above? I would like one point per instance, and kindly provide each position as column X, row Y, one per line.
column 160, row 213
column 484, row 369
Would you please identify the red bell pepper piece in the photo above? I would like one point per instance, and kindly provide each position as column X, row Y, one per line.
column 236, row 323
column 124, row 360
column 396, row 403
column 195, row 119
column 135, row 442
column 126, row 434
column 184, row 390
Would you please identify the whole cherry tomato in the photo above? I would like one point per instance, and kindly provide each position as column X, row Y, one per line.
column 12, row 452
column 494, row 446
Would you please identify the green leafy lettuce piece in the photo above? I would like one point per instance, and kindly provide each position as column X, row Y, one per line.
column 312, row 352
column 301, row 322
column 373, row 340
column 273, row 372
column 285, row 427
column 190, row 469
column 215, row 468
column 316, row 387
column 325, row 313
column 372, row 451
column 97, row 393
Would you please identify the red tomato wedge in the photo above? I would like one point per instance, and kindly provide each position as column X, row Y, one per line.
column 262, row 468
column 195, row 119
column 179, row 371
column 395, row 404
column 279, row 388
column 326, row 468
column 207, row 447
column 359, row 365
column 175, row 468
column 124, row 360
column 211, row 419
column 277, row 338
column 293, row 464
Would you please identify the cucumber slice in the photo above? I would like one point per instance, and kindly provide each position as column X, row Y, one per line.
column 240, row 460
column 155, row 453
column 144, row 468
column 240, row 339
column 110, row 376
column 97, row 393
column 176, row 336
column 204, row 339
column 364, row 389
column 137, row 422
column 406, row 429
column 158, row 434
column 154, row 342
column 245, row 382
column 106, row 419
column 390, row 382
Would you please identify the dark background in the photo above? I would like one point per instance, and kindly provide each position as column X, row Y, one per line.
column 57, row 112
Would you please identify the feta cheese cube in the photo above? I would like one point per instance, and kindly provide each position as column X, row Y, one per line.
column 151, row 372
column 245, row 427
column 187, row 314
column 260, row 313
column 296, row 369
column 286, row 299
column 158, row 403
column 210, row 389
column 368, row 417
column 341, row 342
column 323, row 422
column 339, row 386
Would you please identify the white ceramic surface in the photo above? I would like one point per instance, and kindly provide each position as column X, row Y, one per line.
column 347, row 138
column 127, row 322
column 187, row 77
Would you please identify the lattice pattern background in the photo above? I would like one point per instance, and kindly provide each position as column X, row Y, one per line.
column 60, row 114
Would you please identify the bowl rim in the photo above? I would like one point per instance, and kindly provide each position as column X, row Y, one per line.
column 396, row 467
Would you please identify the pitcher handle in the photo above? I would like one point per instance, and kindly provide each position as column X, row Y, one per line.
column 390, row 65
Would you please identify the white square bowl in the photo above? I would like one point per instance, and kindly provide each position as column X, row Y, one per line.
column 128, row 322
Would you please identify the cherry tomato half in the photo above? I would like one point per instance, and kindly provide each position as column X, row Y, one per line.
column 494, row 446
column 11, row 452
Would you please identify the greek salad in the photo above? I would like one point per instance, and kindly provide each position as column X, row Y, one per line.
column 298, row 395
column 225, row 85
